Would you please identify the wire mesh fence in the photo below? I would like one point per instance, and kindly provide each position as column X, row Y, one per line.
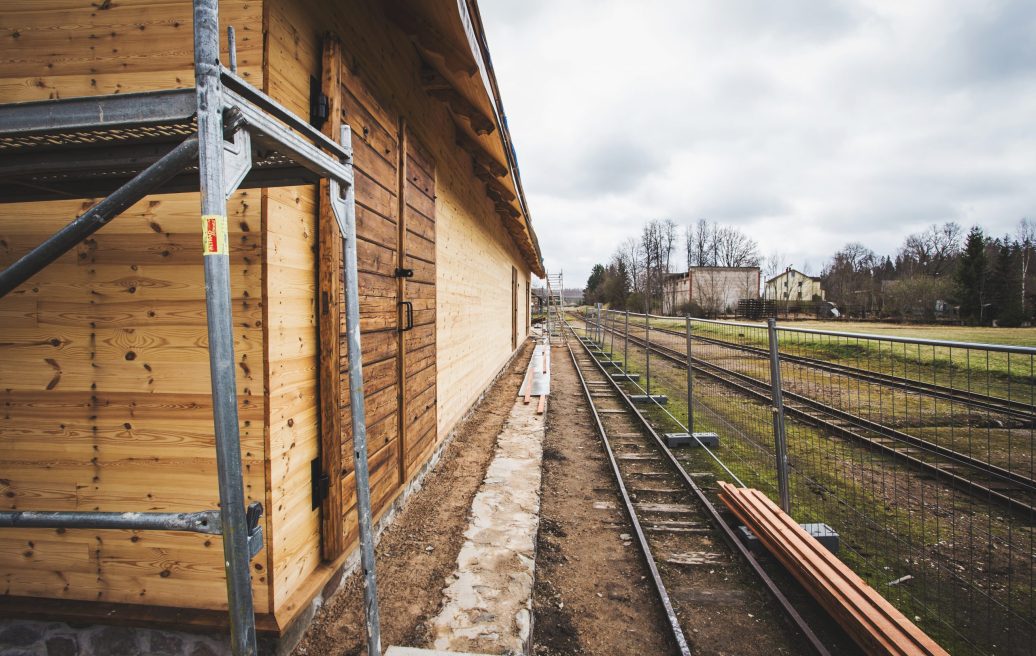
column 919, row 453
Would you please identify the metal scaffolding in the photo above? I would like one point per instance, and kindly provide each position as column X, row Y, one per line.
column 555, row 303
column 220, row 136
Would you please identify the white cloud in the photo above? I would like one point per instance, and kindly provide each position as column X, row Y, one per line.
column 807, row 124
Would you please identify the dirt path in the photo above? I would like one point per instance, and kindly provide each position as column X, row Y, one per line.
column 419, row 550
column 591, row 595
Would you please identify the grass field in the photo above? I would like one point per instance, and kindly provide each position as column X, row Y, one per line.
column 981, row 335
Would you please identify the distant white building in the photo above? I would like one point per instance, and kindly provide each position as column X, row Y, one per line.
column 793, row 286
column 716, row 290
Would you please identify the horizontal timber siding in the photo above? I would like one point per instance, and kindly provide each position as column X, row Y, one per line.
column 104, row 379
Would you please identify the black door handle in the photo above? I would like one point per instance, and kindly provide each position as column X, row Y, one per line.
column 409, row 316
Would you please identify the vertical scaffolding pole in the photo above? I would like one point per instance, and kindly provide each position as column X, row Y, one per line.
column 358, row 410
column 690, row 381
column 220, row 327
column 779, row 436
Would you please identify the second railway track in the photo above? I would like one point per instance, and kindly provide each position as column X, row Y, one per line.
column 1018, row 410
column 966, row 472
column 706, row 580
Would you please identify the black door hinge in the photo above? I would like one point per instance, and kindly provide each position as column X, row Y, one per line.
column 319, row 104
column 404, row 273
column 321, row 483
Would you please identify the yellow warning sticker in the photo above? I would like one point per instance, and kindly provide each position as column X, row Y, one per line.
column 213, row 234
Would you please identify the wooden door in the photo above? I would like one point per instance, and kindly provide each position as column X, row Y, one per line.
column 395, row 225
column 514, row 308
column 418, row 425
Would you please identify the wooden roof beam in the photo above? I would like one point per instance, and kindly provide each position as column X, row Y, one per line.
column 507, row 210
column 438, row 87
column 479, row 154
column 430, row 41
column 494, row 188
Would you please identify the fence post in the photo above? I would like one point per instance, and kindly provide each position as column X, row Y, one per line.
column 690, row 382
column 647, row 351
column 611, row 350
column 597, row 326
column 779, row 436
column 626, row 344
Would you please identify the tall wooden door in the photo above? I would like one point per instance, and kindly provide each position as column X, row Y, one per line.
column 395, row 224
column 514, row 308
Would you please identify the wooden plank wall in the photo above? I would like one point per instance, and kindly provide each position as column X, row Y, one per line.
column 473, row 255
column 104, row 383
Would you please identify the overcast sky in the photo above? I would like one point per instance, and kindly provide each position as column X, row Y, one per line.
column 807, row 123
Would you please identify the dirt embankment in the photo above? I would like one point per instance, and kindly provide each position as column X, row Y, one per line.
column 419, row 550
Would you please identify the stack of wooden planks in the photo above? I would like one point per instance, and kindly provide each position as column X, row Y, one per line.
column 875, row 625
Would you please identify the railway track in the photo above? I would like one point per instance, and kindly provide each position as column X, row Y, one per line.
column 976, row 476
column 1024, row 412
column 696, row 562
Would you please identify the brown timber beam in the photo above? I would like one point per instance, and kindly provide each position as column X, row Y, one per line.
column 494, row 188
column 329, row 313
column 438, row 87
column 480, row 155
column 430, row 41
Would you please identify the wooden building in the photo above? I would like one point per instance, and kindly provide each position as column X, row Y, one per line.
column 104, row 388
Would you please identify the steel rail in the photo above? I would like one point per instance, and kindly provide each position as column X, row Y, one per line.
column 1017, row 409
column 959, row 458
column 728, row 533
column 755, row 388
column 996, row 471
column 642, row 541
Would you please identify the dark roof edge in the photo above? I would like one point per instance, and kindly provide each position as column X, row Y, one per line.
column 470, row 7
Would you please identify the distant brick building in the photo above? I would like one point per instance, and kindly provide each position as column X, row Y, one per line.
column 716, row 290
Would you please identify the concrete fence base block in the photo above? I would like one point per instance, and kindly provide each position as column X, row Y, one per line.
column 661, row 399
column 631, row 377
column 675, row 440
column 820, row 531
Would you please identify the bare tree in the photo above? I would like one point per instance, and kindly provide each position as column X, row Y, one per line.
column 849, row 277
column 774, row 264
column 701, row 238
column 933, row 251
column 734, row 248
column 657, row 242
column 1026, row 236
column 630, row 252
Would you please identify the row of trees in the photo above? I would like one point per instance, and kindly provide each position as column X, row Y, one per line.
column 939, row 273
column 634, row 277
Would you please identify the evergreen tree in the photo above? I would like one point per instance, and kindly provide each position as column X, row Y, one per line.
column 971, row 277
column 1006, row 285
column 593, row 290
